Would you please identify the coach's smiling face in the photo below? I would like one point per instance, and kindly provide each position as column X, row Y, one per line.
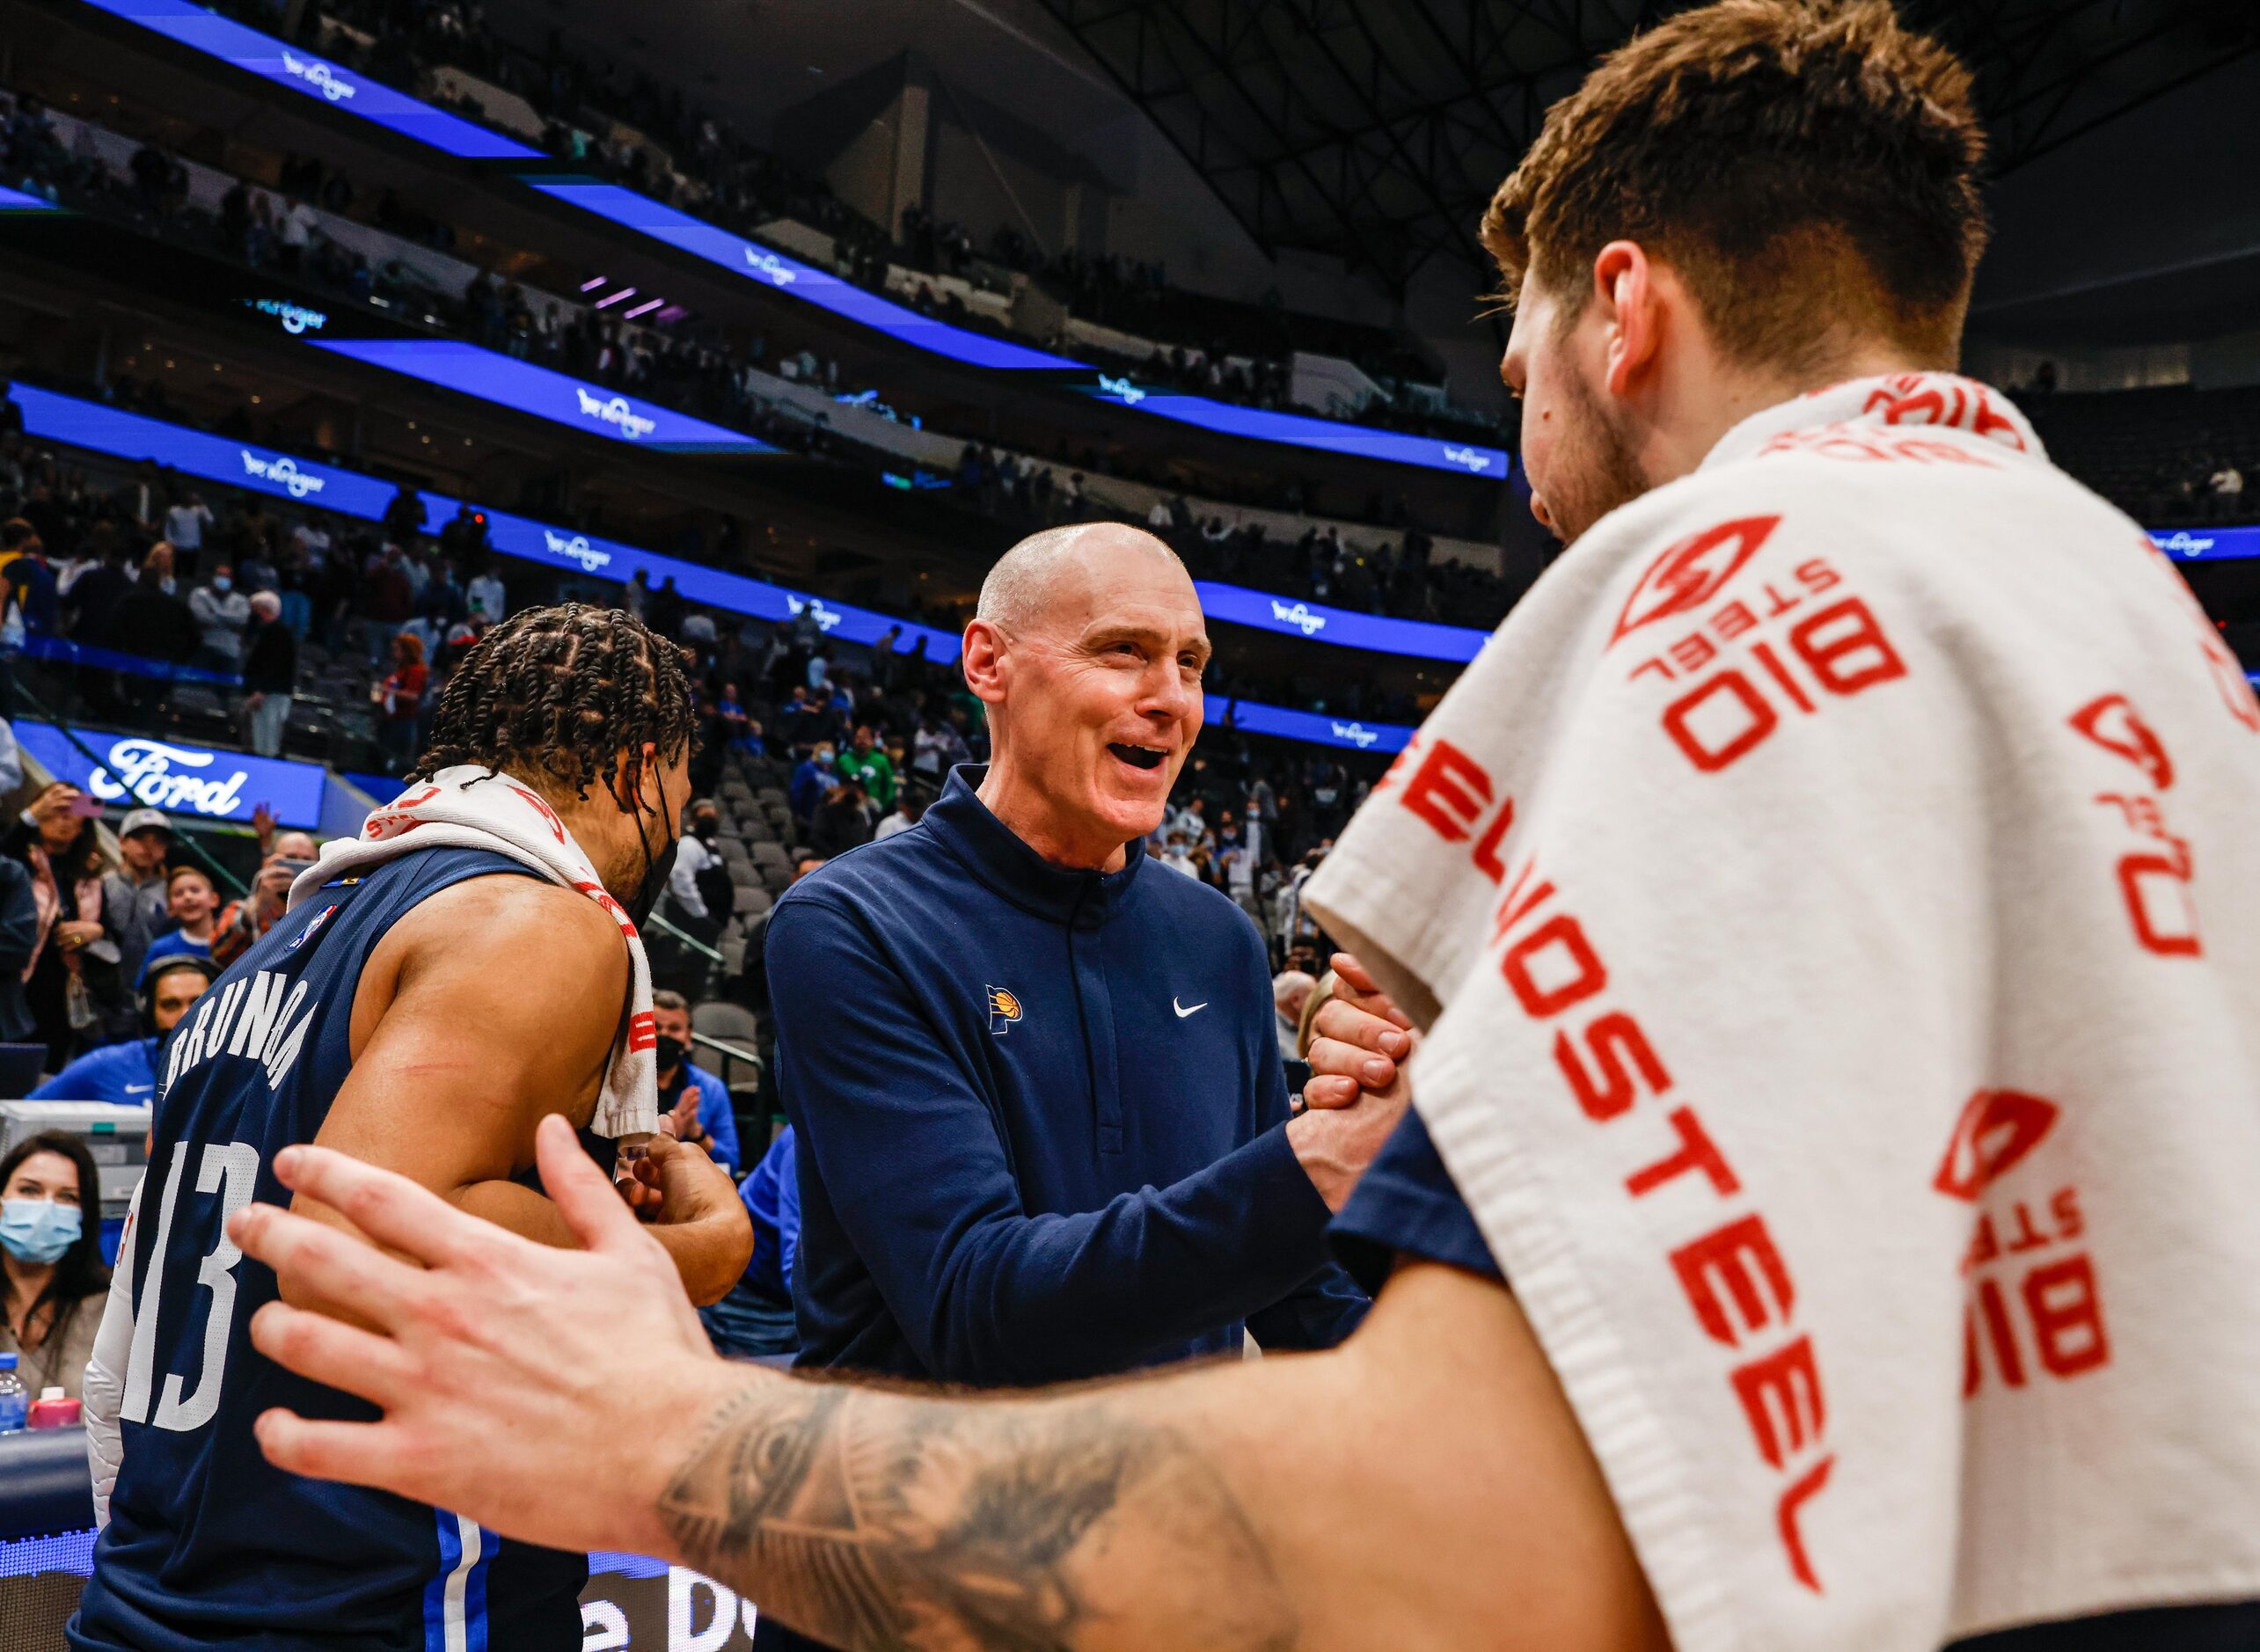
column 1089, row 657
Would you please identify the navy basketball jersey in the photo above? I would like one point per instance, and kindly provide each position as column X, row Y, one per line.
column 208, row 1545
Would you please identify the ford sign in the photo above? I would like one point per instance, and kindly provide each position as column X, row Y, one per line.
column 142, row 770
column 283, row 472
column 576, row 548
column 132, row 771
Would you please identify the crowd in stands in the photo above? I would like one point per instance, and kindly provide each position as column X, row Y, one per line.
column 629, row 127
column 2169, row 455
column 286, row 609
column 697, row 369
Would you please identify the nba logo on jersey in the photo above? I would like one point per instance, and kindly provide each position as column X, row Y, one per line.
column 1004, row 1009
column 307, row 933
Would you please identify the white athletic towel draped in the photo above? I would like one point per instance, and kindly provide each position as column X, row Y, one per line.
column 1833, row 901
column 471, row 807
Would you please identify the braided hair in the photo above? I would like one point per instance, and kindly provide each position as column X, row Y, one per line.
column 560, row 694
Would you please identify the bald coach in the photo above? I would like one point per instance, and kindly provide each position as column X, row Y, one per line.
column 1043, row 1127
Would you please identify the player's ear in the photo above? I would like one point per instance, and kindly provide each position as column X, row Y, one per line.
column 1626, row 290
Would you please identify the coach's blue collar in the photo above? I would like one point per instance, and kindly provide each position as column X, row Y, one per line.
column 1001, row 859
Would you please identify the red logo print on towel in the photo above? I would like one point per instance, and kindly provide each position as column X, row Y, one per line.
column 2114, row 724
column 1689, row 573
column 1738, row 1284
column 1925, row 398
column 2034, row 1303
column 1998, row 1128
column 2155, row 880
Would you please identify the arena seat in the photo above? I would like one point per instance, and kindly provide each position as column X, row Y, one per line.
column 717, row 1018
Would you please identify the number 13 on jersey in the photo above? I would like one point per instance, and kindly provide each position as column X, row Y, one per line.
column 230, row 1170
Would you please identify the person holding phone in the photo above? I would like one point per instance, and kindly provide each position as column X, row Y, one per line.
column 56, row 840
column 241, row 922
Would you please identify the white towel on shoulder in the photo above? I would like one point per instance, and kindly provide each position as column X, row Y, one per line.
column 1833, row 900
column 472, row 808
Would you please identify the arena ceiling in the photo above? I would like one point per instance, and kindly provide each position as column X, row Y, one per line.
column 1376, row 130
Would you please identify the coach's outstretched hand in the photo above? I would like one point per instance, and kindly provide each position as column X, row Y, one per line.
column 1362, row 1038
column 523, row 1385
column 1356, row 1092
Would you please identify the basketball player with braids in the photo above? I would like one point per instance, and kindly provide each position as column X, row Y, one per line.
column 425, row 1015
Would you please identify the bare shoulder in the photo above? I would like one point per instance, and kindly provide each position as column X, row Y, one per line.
column 525, row 929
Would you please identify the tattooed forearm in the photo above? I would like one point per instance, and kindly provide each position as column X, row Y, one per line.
column 877, row 1521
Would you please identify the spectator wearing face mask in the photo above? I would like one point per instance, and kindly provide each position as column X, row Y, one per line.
column 699, row 883
column 696, row 1100
column 126, row 1072
column 221, row 612
column 811, row 779
column 51, row 1257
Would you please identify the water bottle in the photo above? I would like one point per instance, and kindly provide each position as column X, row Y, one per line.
column 14, row 1402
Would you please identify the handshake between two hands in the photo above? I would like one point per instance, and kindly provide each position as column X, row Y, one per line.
column 1358, row 1091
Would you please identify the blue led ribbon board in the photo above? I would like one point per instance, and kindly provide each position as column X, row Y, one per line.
column 491, row 376
column 302, row 71
column 49, row 416
column 1252, row 717
column 755, row 262
column 355, row 94
column 2207, row 545
column 1268, row 610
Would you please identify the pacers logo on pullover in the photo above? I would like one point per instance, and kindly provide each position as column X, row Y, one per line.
column 1004, row 1009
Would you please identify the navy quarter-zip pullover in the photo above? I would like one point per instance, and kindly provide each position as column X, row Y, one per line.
column 1042, row 1116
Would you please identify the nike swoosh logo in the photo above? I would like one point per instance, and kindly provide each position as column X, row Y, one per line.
column 1182, row 1011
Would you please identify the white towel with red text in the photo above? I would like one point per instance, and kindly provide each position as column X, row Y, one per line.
column 474, row 808
column 1832, row 900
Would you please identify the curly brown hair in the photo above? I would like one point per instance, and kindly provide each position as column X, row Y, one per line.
column 1802, row 163
column 567, row 695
